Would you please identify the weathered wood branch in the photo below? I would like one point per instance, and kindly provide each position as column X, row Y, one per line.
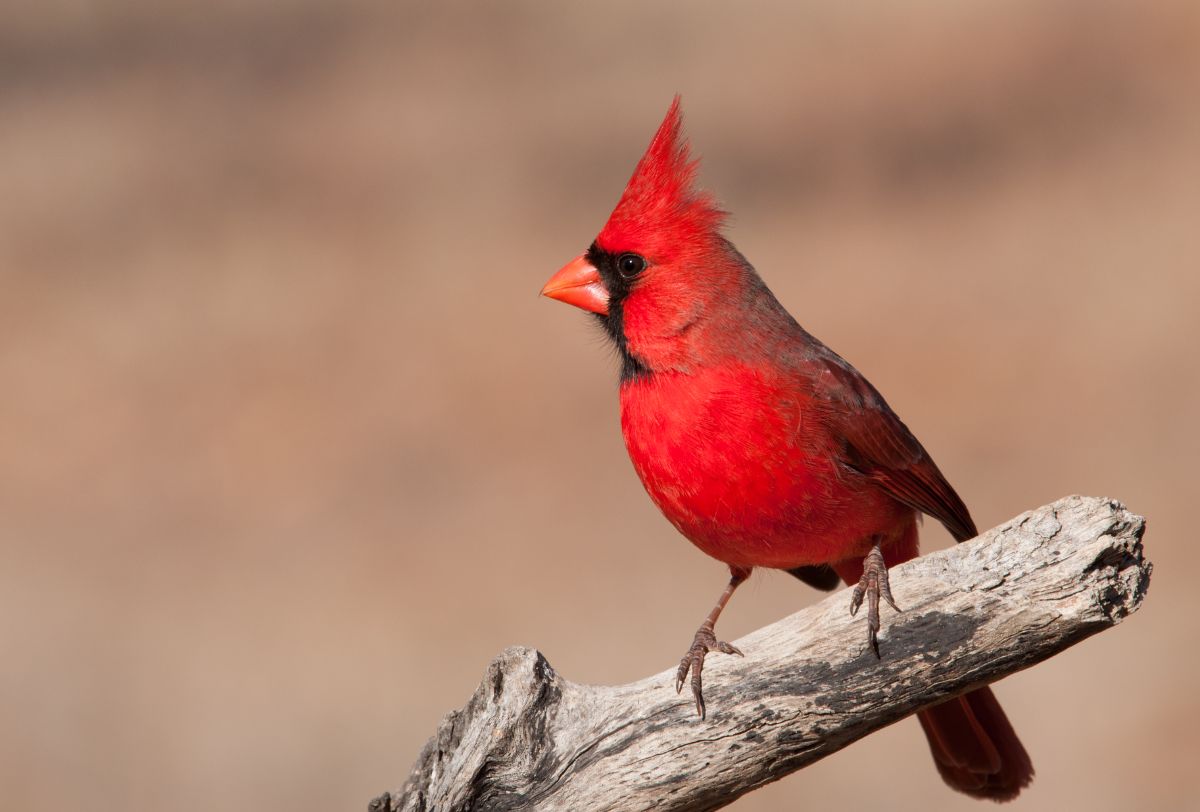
column 807, row 687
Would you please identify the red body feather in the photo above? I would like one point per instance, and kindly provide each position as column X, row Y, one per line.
column 742, row 461
column 759, row 443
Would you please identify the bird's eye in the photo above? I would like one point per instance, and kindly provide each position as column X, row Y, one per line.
column 630, row 265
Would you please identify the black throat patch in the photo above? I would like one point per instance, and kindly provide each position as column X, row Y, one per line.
column 614, row 322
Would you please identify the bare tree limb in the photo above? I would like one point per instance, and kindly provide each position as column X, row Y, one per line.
column 808, row 686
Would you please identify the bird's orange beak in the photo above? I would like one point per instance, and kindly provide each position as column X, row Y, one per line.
column 578, row 283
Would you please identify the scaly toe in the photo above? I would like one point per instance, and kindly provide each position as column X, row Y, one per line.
column 693, row 664
column 872, row 586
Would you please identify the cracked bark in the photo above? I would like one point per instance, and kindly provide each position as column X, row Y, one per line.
column 808, row 686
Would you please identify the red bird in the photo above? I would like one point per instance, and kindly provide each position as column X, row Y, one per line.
column 760, row 444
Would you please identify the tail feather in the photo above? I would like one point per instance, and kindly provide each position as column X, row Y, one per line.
column 975, row 748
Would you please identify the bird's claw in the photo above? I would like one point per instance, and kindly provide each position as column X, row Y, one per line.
column 693, row 662
column 872, row 585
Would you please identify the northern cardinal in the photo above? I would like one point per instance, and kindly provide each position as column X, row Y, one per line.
column 760, row 444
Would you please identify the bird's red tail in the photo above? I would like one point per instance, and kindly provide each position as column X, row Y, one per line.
column 975, row 748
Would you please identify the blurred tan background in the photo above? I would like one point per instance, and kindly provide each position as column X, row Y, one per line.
column 289, row 447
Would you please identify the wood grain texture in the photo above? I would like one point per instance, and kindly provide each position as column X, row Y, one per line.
column 807, row 687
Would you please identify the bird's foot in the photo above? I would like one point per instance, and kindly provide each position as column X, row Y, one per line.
column 704, row 642
column 872, row 584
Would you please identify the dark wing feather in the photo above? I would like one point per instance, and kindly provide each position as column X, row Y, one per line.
column 880, row 446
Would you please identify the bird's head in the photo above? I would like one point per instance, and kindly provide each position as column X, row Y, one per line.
column 659, row 262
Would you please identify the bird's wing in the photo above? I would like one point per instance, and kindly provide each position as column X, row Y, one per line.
column 879, row 446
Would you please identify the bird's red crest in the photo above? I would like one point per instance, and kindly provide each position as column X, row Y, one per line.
column 661, row 212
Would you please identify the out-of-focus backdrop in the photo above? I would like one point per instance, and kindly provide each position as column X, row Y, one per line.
column 289, row 447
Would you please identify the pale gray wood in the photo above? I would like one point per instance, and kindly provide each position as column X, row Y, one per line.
column 808, row 685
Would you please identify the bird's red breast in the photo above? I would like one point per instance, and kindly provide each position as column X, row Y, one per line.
column 738, row 458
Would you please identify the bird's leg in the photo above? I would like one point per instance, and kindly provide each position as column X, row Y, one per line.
column 706, row 641
column 873, row 583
